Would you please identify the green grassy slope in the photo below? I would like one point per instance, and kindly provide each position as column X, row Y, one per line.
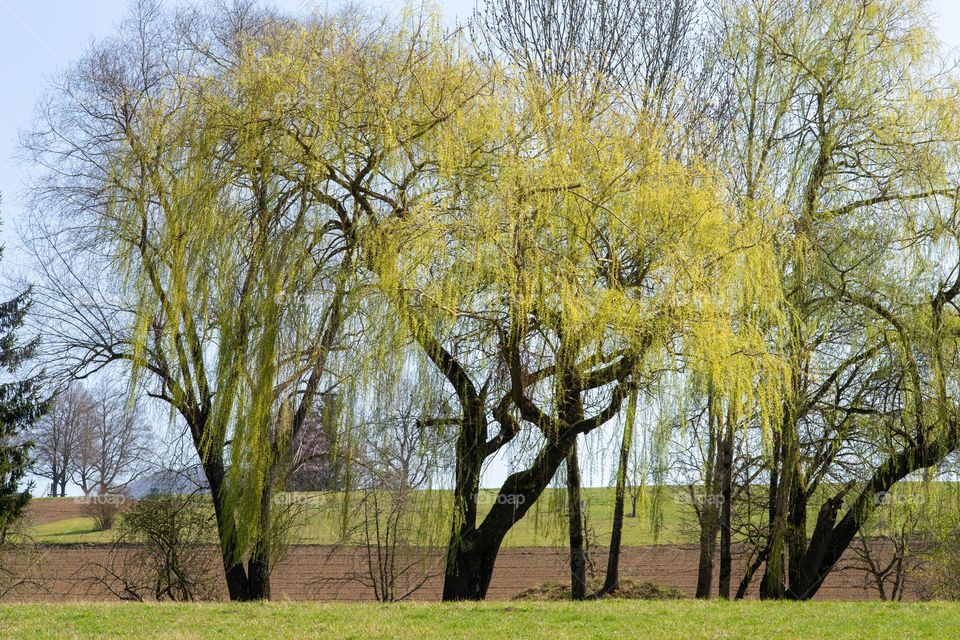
column 319, row 517
column 319, row 520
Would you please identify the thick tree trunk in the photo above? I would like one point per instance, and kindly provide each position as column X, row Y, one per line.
column 236, row 577
column 796, row 533
column 578, row 556
column 258, row 575
column 472, row 554
column 469, row 567
column 258, row 566
column 708, row 542
column 470, row 564
column 238, row 586
column 773, row 585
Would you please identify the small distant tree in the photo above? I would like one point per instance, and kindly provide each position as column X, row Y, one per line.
column 57, row 434
column 890, row 546
column 936, row 549
column 395, row 526
column 111, row 445
column 940, row 573
column 104, row 509
column 316, row 456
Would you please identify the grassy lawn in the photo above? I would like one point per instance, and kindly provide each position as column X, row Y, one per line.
column 624, row 619
column 69, row 530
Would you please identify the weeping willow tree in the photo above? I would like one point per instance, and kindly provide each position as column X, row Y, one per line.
column 175, row 164
column 649, row 52
column 212, row 173
column 843, row 121
column 553, row 259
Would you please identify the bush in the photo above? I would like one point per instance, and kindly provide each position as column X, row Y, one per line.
column 940, row 573
column 104, row 509
column 162, row 551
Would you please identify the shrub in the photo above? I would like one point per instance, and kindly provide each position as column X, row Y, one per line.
column 162, row 551
column 104, row 509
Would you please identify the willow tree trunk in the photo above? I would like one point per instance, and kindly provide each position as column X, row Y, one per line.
column 708, row 544
column 470, row 564
column 726, row 506
column 258, row 573
column 473, row 553
column 708, row 512
column 238, row 587
column 773, row 585
column 612, row 580
column 258, row 566
column 470, row 559
column 578, row 556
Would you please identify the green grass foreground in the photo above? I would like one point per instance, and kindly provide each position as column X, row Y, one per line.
column 518, row 621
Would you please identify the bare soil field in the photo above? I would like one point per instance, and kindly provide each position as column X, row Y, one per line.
column 322, row 572
column 69, row 572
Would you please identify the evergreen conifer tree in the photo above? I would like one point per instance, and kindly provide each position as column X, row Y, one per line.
column 20, row 407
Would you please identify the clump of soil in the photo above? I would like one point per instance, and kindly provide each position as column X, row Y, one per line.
column 628, row 590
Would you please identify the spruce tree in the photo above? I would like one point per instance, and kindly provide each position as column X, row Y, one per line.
column 20, row 407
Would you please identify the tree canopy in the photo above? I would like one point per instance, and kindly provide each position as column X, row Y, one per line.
column 268, row 219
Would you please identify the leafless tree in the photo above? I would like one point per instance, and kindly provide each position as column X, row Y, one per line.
column 162, row 552
column 58, row 435
column 111, row 448
column 656, row 54
column 392, row 510
column 629, row 42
